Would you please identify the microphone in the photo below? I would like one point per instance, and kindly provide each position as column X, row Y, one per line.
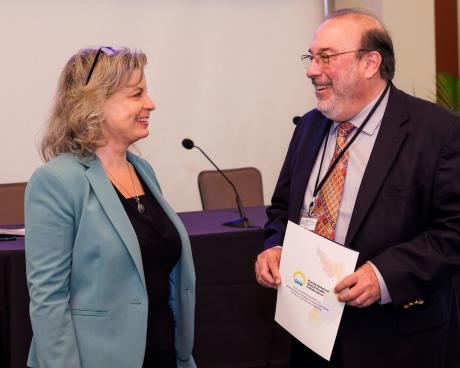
column 241, row 221
column 188, row 143
column 296, row 119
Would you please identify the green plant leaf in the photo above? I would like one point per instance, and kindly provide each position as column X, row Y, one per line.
column 448, row 91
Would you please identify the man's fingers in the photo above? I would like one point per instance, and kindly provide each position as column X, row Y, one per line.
column 263, row 276
column 363, row 288
column 362, row 300
column 267, row 267
column 345, row 283
column 351, row 294
column 273, row 265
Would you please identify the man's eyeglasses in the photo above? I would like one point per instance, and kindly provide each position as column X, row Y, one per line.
column 104, row 49
column 321, row 58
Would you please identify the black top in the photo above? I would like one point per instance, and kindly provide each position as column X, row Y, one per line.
column 160, row 247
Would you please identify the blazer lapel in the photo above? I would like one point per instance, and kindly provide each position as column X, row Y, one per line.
column 391, row 136
column 114, row 210
column 146, row 176
column 150, row 181
column 308, row 148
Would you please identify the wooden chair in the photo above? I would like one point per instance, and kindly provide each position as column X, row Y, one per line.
column 12, row 203
column 217, row 193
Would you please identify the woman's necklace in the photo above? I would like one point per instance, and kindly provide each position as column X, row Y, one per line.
column 140, row 206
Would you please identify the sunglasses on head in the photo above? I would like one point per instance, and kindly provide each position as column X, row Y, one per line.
column 104, row 49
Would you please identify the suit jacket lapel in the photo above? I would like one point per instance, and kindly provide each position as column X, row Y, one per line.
column 309, row 146
column 114, row 210
column 391, row 136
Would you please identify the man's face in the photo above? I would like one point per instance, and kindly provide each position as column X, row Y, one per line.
column 339, row 85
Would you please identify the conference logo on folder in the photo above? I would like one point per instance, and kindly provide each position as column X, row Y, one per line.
column 307, row 306
column 299, row 278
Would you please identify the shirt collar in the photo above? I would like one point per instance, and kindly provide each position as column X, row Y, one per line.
column 375, row 120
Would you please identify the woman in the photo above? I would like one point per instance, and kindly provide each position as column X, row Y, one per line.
column 109, row 267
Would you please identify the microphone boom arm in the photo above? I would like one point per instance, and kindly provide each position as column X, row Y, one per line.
column 237, row 197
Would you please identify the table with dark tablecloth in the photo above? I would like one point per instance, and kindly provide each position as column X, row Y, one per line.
column 234, row 324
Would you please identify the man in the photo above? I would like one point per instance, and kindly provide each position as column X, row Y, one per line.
column 393, row 195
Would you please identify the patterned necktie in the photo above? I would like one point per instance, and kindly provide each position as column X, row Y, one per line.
column 327, row 201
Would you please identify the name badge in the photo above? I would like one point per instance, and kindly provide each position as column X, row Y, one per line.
column 308, row 223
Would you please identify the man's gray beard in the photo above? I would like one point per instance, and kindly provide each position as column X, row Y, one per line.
column 327, row 111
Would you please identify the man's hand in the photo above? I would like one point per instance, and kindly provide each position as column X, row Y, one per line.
column 360, row 289
column 267, row 267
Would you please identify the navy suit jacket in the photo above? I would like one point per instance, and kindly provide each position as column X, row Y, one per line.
column 406, row 220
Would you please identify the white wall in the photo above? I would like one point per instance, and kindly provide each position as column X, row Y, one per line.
column 225, row 73
column 411, row 26
column 374, row 6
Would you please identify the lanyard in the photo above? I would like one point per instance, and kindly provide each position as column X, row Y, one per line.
column 341, row 153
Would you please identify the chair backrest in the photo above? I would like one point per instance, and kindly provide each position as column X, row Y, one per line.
column 12, row 203
column 216, row 192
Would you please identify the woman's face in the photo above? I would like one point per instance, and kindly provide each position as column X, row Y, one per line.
column 126, row 112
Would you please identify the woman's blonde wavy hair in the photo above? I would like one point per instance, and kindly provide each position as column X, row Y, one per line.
column 75, row 123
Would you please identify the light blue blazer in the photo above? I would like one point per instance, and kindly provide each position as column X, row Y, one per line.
column 88, row 300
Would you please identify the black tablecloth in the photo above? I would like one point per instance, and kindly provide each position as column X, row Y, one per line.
column 234, row 316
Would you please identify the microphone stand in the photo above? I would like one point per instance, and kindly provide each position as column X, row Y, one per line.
column 241, row 221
